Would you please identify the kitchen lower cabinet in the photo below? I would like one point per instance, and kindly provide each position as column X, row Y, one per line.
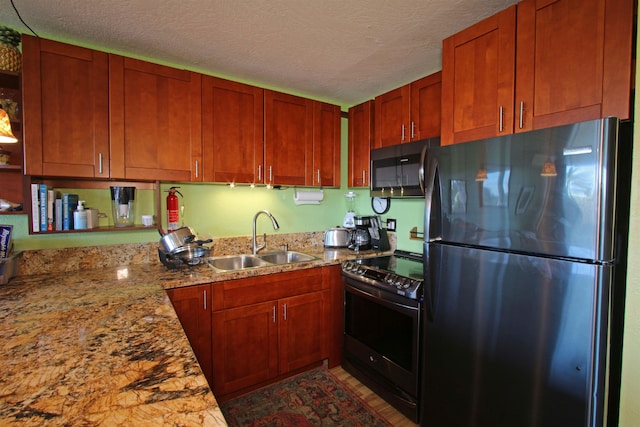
column 192, row 305
column 265, row 327
column 65, row 110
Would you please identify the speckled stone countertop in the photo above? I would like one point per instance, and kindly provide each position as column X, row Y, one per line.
column 103, row 346
column 97, row 348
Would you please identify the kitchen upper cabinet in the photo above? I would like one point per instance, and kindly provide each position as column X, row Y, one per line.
column 268, row 326
column 66, row 110
column 573, row 61
column 192, row 305
column 326, row 145
column 361, row 141
column 392, row 114
column 288, row 138
column 409, row 113
column 232, row 122
column 556, row 62
column 478, row 79
column 156, row 121
column 426, row 103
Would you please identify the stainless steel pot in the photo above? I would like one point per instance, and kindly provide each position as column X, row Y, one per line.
column 170, row 242
column 337, row 238
column 190, row 253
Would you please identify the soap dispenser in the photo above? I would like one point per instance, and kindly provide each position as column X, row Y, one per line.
column 80, row 217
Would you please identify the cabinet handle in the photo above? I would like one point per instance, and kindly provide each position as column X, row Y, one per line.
column 402, row 138
column 100, row 163
column 285, row 311
column 500, row 127
column 274, row 313
column 270, row 174
column 318, row 176
column 364, row 177
column 413, row 129
column 196, row 168
column 259, row 173
column 204, row 293
column 521, row 114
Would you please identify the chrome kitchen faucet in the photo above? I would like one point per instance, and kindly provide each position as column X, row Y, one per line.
column 256, row 248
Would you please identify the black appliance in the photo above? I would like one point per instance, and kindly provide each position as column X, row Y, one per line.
column 382, row 328
column 360, row 236
column 525, row 265
column 396, row 169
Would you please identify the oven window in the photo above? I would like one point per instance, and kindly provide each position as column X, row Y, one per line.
column 388, row 332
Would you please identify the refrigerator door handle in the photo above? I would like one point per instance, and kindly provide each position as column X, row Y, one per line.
column 423, row 154
column 432, row 204
column 431, row 190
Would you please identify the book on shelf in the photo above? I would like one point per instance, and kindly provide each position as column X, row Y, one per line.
column 35, row 208
column 43, row 206
column 69, row 203
column 57, row 209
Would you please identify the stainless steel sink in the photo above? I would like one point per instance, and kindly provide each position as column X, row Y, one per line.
column 236, row 262
column 242, row 262
column 285, row 257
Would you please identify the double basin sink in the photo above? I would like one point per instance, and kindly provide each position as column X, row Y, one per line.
column 268, row 259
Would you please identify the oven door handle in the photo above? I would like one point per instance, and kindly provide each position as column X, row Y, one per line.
column 351, row 287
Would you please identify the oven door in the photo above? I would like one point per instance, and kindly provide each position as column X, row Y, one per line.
column 382, row 334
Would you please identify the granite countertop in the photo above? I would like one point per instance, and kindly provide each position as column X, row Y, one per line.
column 105, row 347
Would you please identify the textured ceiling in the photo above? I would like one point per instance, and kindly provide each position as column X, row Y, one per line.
column 341, row 51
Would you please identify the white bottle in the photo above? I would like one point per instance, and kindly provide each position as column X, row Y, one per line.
column 80, row 217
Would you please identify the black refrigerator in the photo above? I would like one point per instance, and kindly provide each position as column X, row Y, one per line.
column 525, row 265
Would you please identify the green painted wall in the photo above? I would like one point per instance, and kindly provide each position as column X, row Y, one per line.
column 218, row 210
column 630, row 396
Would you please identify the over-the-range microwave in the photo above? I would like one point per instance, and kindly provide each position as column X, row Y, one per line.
column 397, row 170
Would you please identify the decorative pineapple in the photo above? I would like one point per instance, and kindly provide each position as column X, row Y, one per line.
column 10, row 57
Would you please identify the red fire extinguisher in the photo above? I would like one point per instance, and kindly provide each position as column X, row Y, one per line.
column 173, row 211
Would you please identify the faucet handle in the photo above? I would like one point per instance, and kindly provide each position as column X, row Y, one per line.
column 285, row 247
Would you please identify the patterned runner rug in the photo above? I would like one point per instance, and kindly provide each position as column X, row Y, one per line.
column 313, row 398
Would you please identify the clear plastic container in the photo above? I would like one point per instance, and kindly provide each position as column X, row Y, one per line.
column 123, row 206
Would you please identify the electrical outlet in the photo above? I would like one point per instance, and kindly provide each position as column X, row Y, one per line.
column 391, row 224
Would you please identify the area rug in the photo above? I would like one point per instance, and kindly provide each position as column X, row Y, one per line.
column 313, row 398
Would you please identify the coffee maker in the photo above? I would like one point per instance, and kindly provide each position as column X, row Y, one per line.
column 360, row 238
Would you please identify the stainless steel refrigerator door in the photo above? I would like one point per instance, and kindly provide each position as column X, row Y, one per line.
column 549, row 191
column 512, row 340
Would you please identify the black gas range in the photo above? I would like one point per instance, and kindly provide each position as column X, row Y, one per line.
column 400, row 273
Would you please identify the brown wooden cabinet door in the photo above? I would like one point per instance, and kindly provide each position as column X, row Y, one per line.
column 288, row 139
column 426, row 94
column 361, row 141
column 478, row 79
column 156, row 126
column 392, row 117
column 573, row 61
column 232, row 134
column 304, row 328
column 245, row 346
column 326, row 145
column 65, row 109
column 193, row 308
